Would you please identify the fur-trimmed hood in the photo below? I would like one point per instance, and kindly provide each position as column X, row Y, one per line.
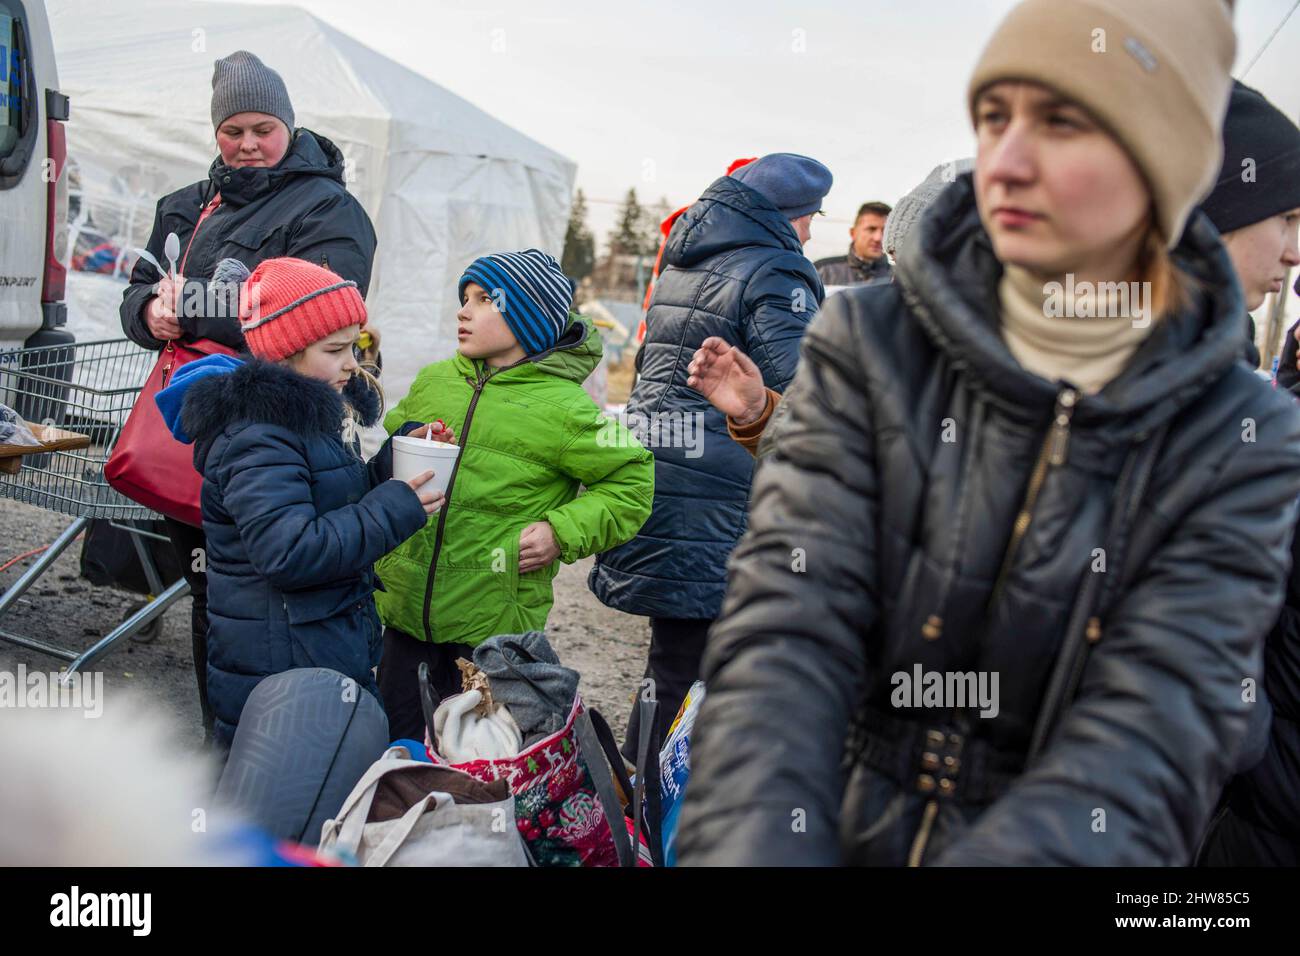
column 207, row 396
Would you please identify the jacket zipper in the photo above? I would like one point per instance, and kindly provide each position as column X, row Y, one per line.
column 923, row 833
column 442, row 515
column 484, row 377
column 1052, row 455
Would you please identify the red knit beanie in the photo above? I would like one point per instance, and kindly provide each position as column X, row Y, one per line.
column 287, row 304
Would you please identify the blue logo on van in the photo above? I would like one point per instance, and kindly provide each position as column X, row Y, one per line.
column 11, row 62
column 11, row 73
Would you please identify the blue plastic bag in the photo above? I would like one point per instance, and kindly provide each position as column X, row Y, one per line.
column 675, row 767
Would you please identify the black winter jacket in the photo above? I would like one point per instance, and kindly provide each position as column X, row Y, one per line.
column 1259, row 821
column 299, row 207
column 294, row 520
column 848, row 269
column 735, row 269
column 881, row 542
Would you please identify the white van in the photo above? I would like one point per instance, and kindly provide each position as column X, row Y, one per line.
column 33, row 189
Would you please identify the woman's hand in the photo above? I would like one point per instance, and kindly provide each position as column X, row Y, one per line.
column 160, row 313
column 537, row 546
column 431, row 501
column 436, row 431
column 729, row 379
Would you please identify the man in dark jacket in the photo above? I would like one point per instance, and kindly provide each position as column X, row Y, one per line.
column 736, row 269
column 273, row 191
column 1256, row 206
column 865, row 262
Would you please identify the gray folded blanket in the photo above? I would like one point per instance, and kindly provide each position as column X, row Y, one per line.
column 526, row 675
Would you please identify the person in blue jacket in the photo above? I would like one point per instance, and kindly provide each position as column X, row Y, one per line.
column 294, row 518
column 736, row 270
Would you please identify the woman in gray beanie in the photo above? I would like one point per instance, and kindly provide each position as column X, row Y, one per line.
column 274, row 190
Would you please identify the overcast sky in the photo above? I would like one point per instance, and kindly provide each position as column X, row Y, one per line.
column 662, row 94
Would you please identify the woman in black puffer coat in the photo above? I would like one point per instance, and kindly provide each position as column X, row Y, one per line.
column 274, row 190
column 1079, row 526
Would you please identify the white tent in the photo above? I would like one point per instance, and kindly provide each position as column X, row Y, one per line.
column 442, row 180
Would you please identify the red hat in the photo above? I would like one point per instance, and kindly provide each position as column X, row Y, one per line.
column 287, row 304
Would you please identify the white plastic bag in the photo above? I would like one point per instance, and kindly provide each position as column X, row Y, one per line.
column 463, row 735
column 434, row 831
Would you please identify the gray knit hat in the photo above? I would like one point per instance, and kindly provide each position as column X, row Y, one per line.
column 908, row 210
column 241, row 83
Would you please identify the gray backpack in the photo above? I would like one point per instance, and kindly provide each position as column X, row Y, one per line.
column 304, row 739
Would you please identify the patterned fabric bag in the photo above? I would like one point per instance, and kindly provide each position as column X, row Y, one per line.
column 567, row 805
column 557, row 807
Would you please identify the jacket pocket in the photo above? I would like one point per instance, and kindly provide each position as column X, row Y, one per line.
column 320, row 604
column 340, row 635
column 259, row 238
column 507, row 576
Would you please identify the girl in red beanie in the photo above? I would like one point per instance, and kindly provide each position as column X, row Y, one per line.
column 293, row 516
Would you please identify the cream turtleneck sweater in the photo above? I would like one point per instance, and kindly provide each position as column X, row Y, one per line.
column 1087, row 351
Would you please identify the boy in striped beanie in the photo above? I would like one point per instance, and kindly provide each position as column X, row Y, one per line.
column 525, row 291
column 530, row 438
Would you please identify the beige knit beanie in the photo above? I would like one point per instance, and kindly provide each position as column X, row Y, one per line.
column 1155, row 72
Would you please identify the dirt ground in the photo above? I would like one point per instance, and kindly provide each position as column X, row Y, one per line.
column 619, row 378
column 607, row 647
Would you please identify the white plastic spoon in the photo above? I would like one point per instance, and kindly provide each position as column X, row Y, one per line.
column 172, row 250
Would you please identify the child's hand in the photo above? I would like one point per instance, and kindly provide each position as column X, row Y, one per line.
column 537, row 547
column 436, row 431
column 431, row 501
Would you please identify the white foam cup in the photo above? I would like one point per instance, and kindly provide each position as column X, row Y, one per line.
column 412, row 457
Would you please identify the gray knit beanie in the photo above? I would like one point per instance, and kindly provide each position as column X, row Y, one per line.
column 908, row 210
column 241, row 83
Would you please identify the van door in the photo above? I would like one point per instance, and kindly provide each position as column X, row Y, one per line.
column 26, row 72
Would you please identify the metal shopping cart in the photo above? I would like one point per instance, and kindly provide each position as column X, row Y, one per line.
column 86, row 387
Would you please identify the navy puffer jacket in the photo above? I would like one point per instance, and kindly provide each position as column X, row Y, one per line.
column 294, row 520
column 735, row 269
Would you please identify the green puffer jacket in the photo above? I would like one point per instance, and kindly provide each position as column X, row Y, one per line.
column 530, row 436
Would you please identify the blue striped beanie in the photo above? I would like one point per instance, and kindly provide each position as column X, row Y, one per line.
column 531, row 292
